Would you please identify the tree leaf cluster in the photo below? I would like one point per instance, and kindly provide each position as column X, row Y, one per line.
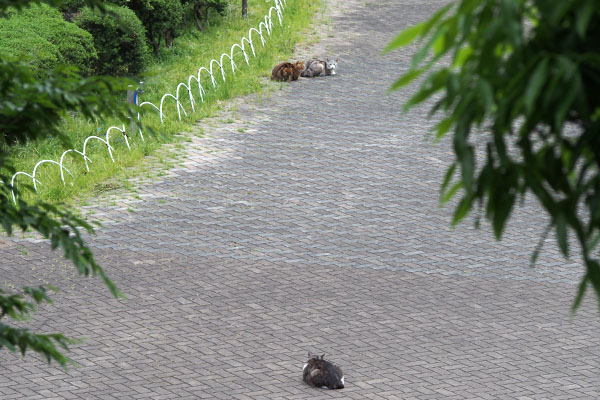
column 524, row 76
column 63, row 230
column 162, row 19
column 30, row 108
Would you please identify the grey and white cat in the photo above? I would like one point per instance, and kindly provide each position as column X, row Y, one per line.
column 322, row 374
column 319, row 68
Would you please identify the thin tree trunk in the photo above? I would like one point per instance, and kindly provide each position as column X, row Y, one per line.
column 154, row 41
column 169, row 37
column 205, row 21
column 201, row 17
column 244, row 8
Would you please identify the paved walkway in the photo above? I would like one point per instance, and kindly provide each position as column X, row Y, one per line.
column 312, row 224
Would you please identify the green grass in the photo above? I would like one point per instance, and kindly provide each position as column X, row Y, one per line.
column 171, row 66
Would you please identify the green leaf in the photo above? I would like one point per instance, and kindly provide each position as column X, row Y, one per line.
column 461, row 56
column 593, row 272
column 561, row 232
column 431, row 22
column 501, row 211
column 443, row 127
column 433, row 83
column 420, row 55
column 487, row 95
column 594, row 241
column 447, row 178
column 405, row 37
column 564, row 106
column 584, row 14
column 596, row 114
column 447, row 196
column 538, row 78
column 461, row 210
column 580, row 293
column 467, row 163
column 7, row 344
column 538, row 247
column 439, row 44
column 407, row 78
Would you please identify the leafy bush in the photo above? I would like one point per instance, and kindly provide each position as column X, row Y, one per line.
column 162, row 19
column 75, row 45
column 41, row 37
column 119, row 38
column 21, row 42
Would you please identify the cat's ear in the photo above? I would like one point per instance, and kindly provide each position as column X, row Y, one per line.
column 309, row 355
column 322, row 355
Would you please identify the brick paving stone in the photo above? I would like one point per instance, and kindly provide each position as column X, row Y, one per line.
column 315, row 227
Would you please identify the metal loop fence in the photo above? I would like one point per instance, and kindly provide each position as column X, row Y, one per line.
column 182, row 88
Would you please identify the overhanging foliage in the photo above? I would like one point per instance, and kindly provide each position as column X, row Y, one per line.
column 527, row 72
column 31, row 108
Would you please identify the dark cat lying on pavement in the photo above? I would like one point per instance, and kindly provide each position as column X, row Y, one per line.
column 322, row 374
column 287, row 71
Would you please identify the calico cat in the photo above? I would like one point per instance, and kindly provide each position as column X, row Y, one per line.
column 287, row 71
column 320, row 68
column 322, row 374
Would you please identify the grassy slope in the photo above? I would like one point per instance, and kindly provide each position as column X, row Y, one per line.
column 170, row 67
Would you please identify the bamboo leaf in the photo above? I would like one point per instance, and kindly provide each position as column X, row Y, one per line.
column 407, row 78
column 461, row 56
column 405, row 37
column 431, row 22
column 502, row 211
column 538, row 78
column 461, row 210
column 439, row 44
column 451, row 192
column 580, row 293
column 432, row 84
column 584, row 14
column 443, row 127
column 467, row 163
column 594, row 241
column 561, row 232
column 447, row 177
column 593, row 272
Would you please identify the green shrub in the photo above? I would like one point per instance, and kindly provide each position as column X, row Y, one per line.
column 41, row 37
column 119, row 39
column 162, row 19
column 21, row 42
column 75, row 45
